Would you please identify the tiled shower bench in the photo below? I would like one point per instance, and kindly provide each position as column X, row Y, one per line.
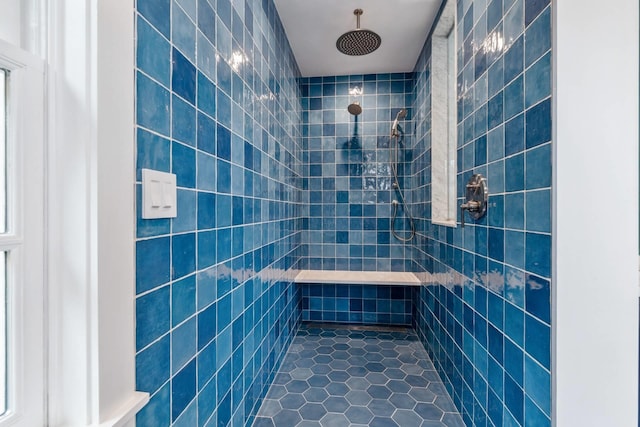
column 360, row 297
column 358, row 277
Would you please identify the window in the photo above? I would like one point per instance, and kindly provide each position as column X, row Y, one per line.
column 21, row 238
column 3, row 275
column 444, row 118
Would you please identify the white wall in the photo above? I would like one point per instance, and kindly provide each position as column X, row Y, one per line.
column 596, row 213
column 91, row 213
column 10, row 20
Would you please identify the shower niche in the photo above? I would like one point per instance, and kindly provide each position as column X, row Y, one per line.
column 444, row 119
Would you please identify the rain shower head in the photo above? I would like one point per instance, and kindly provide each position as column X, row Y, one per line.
column 359, row 41
column 355, row 108
column 400, row 116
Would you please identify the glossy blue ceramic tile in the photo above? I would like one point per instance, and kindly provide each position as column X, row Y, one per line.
column 539, row 175
column 533, row 9
column 538, row 341
column 534, row 415
column 538, row 254
column 538, row 385
column 537, row 40
column 514, row 135
column 538, row 120
column 206, row 179
column 513, row 21
column 514, row 58
column 183, row 389
column 157, row 13
column 207, row 20
column 481, row 347
column 153, row 365
column 514, row 243
column 152, row 152
column 183, row 299
column 514, row 211
column 158, row 411
column 206, row 249
column 183, row 254
column 514, row 323
column 153, row 263
column 183, row 32
column 514, row 399
column 514, row 98
column 152, row 316
column 183, row 164
column 514, row 362
column 149, row 228
column 183, row 121
column 153, row 52
column 189, row 417
column 206, row 326
column 186, row 219
column 183, row 77
column 514, row 172
column 206, row 210
column 538, row 81
column 152, row 105
column 257, row 186
column 495, row 144
column 183, row 342
column 206, row 95
column 539, row 211
column 371, row 304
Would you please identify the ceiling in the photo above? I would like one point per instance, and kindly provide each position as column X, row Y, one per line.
column 313, row 26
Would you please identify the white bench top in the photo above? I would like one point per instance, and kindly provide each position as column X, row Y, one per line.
column 358, row 277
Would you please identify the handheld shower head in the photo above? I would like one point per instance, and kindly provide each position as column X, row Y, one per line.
column 400, row 116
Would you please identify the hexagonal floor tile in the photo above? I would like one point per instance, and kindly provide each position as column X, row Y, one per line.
column 379, row 392
column 402, row 400
column 292, row 401
column 318, row 381
column 286, row 417
column 358, row 397
column 383, row 422
column 333, row 420
column 423, row 395
column 301, row 373
column 269, row 408
column 359, row 415
column 429, row 411
column 337, row 389
column 297, row 386
column 407, row 418
column 312, row 411
column 357, row 383
column 381, row 407
column 336, row 404
column 341, row 377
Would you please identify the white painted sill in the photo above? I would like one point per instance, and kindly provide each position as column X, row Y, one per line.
column 125, row 415
column 446, row 223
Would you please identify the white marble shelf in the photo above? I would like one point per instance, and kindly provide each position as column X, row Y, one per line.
column 340, row 277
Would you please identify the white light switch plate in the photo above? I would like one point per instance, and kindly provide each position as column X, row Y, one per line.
column 159, row 197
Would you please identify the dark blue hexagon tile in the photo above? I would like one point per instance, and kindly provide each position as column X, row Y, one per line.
column 346, row 377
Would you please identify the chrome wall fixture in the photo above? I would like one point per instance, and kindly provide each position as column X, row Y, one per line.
column 477, row 196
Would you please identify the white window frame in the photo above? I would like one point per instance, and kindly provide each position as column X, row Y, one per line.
column 24, row 238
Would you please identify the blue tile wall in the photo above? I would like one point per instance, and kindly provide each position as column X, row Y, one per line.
column 364, row 304
column 348, row 171
column 485, row 316
column 218, row 103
